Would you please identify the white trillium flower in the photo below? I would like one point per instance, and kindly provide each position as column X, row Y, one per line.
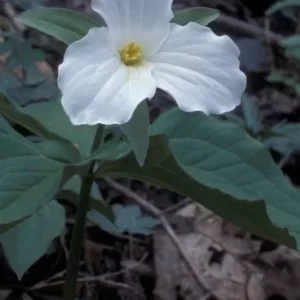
column 106, row 74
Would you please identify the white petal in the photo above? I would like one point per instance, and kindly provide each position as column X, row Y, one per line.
column 96, row 87
column 142, row 21
column 199, row 69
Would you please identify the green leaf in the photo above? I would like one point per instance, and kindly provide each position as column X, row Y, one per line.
column 8, row 83
column 285, row 138
column 279, row 5
column 127, row 219
column 6, row 128
column 52, row 116
column 34, row 187
column 136, row 130
column 113, row 149
column 201, row 15
column 291, row 41
column 65, row 25
column 24, row 55
column 16, row 114
column 275, row 76
column 293, row 52
column 60, row 151
column 280, row 144
column 161, row 168
column 30, row 239
column 291, row 82
column 5, row 47
column 289, row 130
column 251, row 114
column 230, row 116
column 103, row 222
column 56, row 147
column 28, row 93
column 220, row 155
column 28, row 180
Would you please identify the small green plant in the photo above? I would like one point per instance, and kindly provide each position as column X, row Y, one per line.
column 105, row 77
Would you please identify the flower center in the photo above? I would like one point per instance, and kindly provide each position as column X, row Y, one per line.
column 131, row 54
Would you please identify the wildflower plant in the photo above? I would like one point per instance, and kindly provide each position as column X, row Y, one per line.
column 100, row 127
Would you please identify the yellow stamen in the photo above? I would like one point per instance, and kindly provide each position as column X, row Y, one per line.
column 131, row 54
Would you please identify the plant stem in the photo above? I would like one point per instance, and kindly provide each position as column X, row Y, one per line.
column 79, row 227
column 98, row 137
column 77, row 236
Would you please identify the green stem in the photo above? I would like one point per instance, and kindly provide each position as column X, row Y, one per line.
column 77, row 237
column 79, row 227
column 98, row 137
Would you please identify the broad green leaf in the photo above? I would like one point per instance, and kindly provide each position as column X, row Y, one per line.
column 16, row 114
column 60, row 151
column 220, row 155
column 30, row 239
column 279, row 5
column 52, row 116
column 56, row 147
column 71, row 191
column 291, row 41
column 201, row 15
column 127, row 219
column 65, row 25
column 33, row 187
column 28, row 180
column 161, row 168
column 136, row 131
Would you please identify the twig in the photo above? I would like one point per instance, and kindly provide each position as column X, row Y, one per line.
column 97, row 247
column 12, row 16
column 142, row 269
column 126, row 269
column 45, row 283
column 176, row 206
column 85, row 279
column 105, row 278
column 249, row 28
column 284, row 159
column 157, row 213
column 206, row 296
